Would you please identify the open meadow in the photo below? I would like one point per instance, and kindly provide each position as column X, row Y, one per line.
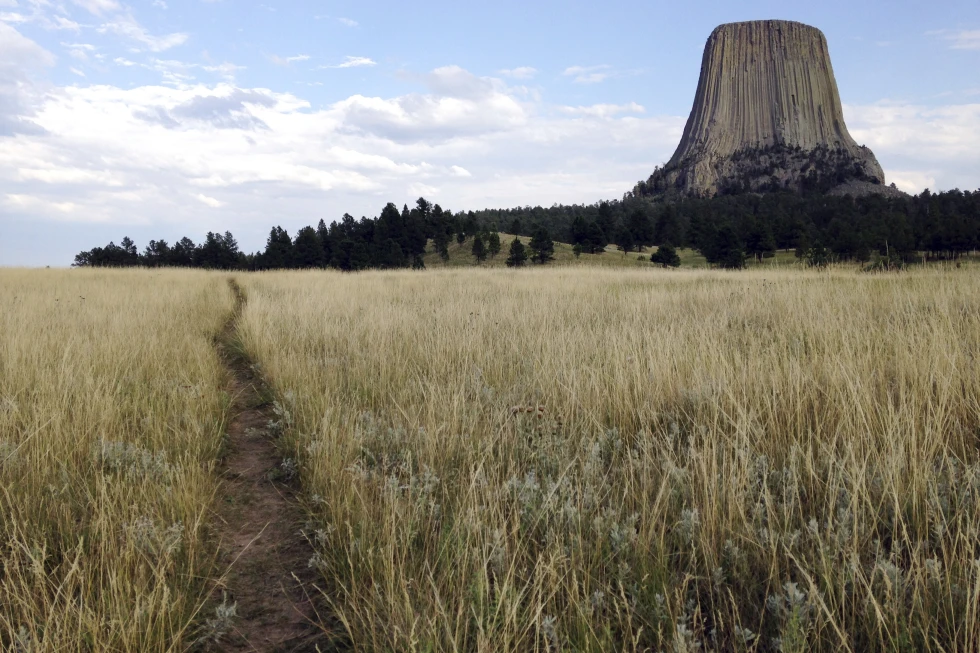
column 111, row 421
column 568, row 458
column 587, row 459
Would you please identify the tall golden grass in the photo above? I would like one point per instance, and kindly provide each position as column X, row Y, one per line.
column 111, row 418
column 582, row 459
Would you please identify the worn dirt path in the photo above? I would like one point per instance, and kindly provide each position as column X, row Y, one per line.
column 259, row 523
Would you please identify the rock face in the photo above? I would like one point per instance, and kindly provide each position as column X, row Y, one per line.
column 767, row 116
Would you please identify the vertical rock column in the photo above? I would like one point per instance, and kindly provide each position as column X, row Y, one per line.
column 762, row 83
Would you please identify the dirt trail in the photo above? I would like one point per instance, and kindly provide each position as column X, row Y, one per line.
column 259, row 524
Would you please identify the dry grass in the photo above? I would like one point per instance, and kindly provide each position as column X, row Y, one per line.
column 111, row 415
column 585, row 459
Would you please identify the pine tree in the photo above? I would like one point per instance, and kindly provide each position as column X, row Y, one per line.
column 667, row 228
column 817, row 256
column 129, row 247
column 759, row 241
column 518, row 255
column 307, row 249
column 470, row 226
column 580, row 231
column 541, row 246
column 229, row 255
column 641, row 228
column 479, row 249
column 182, row 253
column 208, row 254
column 604, row 217
column 278, row 253
column 441, row 244
column 391, row 255
column 625, row 240
column 493, row 244
column 156, row 254
column 326, row 242
column 666, row 256
column 595, row 241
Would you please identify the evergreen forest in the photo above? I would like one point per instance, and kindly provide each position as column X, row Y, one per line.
column 727, row 230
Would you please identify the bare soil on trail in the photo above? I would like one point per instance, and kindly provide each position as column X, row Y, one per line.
column 259, row 524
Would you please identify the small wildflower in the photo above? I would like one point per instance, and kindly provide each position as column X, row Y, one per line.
column 598, row 599
column 689, row 525
column 218, row 626
column 718, row 575
column 684, row 640
column 289, row 469
column 744, row 635
column 23, row 641
column 550, row 631
column 891, row 573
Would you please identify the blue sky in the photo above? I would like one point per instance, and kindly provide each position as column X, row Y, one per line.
column 165, row 118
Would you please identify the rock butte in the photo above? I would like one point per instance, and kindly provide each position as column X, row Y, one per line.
column 767, row 89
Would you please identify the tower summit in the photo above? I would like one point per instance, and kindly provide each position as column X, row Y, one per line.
column 767, row 116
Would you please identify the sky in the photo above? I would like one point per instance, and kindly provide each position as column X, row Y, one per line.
column 169, row 118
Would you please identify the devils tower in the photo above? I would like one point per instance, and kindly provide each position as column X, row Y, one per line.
column 767, row 116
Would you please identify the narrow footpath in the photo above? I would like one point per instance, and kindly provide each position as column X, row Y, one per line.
column 259, row 523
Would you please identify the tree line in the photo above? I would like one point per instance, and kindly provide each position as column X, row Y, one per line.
column 730, row 229
column 394, row 239
column 727, row 230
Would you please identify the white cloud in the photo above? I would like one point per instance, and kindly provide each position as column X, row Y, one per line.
column 226, row 70
column 168, row 155
column 19, row 53
column 347, row 21
column 209, row 201
column 34, row 204
column 522, row 72
column 603, row 110
column 460, row 105
column 353, row 62
column 39, row 15
column 98, row 7
column 76, row 71
column 60, row 22
column 918, row 145
column 588, row 74
column 126, row 26
column 959, row 39
column 285, row 61
column 79, row 51
column 20, row 59
column 912, row 181
column 178, row 73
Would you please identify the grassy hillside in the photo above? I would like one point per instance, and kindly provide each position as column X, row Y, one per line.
column 461, row 256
